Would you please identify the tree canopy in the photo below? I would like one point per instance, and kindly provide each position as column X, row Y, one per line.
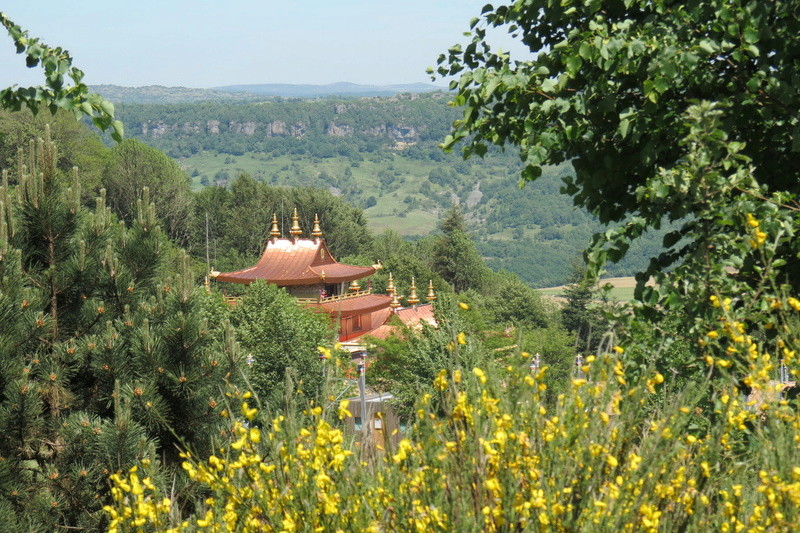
column 54, row 94
column 607, row 85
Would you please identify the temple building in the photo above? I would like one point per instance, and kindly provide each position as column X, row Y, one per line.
column 308, row 271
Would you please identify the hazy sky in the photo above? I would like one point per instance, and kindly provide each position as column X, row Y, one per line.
column 204, row 43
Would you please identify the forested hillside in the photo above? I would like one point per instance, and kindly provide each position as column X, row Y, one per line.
column 382, row 154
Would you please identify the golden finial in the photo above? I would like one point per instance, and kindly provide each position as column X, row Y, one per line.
column 412, row 297
column 296, row 231
column 354, row 286
column 390, row 288
column 275, row 232
column 395, row 303
column 431, row 295
column 316, row 232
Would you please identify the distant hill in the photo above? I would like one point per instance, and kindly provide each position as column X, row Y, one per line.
column 334, row 89
column 382, row 154
column 158, row 94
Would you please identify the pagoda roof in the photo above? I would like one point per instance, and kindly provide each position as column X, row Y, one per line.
column 288, row 262
column 356, row 306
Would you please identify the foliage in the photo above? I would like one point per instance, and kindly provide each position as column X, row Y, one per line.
column 532, row 232
column 455, row 257
column 78, row 146
column 104, row 359
column 134, row 166
column 510, row 302
column 607, row 85
column 485, row 454
column 54, row 95
column 239, row 220
column 406, row 366
column 281, row 339
column 581, row 313
column 404, row 260
column 729, row 295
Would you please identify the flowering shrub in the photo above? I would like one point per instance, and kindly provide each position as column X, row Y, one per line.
column 601, row 458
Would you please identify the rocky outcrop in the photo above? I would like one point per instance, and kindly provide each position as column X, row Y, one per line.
column 192, row 127
column 247, row 128
column 338, row 131
column 398, row 133
column 155, row 129
column 277, row 128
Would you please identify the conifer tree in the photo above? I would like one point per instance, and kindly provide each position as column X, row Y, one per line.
column 455, row 256
column 104, row 358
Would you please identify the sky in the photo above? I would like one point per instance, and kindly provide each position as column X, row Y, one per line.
column 204, row 43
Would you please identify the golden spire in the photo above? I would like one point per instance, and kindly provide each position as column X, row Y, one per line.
column 412, row 298
column 390, row 288
column 316, row 232
column 295, row 232
column 431, row 295
column 275, row 232
column 395, row 303
column 354, row 286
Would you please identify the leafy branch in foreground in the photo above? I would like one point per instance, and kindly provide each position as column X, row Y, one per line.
column 54, row 94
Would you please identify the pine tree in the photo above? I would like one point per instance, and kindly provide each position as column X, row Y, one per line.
column 455, row 256
column 578, row 315
column 104, row 357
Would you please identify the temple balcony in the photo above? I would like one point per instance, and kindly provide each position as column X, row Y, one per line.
column 233, row 300
column 334, row 298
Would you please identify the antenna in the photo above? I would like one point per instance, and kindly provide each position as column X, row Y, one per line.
column 208, row 255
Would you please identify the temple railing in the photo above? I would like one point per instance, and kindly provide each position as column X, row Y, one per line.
column 339, row 297
column 234, row 300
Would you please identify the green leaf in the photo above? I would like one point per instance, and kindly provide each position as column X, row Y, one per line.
column 708, row 46
column 751, row 35
column 490, row 87
column 574, row 64
column 661, row 85
column 624, row 124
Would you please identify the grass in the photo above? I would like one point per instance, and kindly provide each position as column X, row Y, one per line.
column 621, row 291
column 391, row 212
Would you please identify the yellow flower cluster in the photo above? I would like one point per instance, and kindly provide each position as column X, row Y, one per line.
column 135, row 503
column 495, row 454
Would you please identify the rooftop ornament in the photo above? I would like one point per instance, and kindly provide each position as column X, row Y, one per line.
column 413, row 299
column 390, row 288
column 317, row 231
column 296, row 232
column 275, row 232
column 431, row 295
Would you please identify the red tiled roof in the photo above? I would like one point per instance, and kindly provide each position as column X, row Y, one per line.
column 383, row 332
column 355, row 306
column 412, row 316
column 302, row 262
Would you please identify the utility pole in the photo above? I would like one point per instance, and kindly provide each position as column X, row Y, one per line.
column 362, row 386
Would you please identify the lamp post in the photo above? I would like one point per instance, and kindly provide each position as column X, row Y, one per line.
column 579, row 367
column 362, row 386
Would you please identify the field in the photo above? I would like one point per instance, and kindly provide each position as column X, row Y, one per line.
column 622, row 288
column 404, row 209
